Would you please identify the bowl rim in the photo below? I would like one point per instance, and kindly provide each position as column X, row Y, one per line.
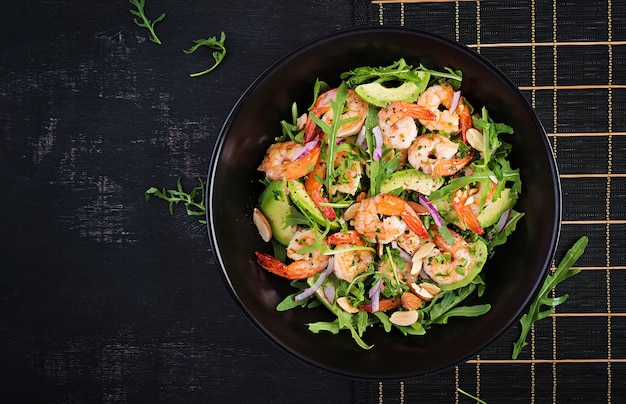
column 356, row 31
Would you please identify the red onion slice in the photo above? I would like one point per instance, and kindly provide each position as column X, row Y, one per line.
column 360, row 140
column 308, row 146
column 378, row 136
column 310, row 290
column 374, row 294
column 329, row 294
column 423, row 200
column 504, row 218
column 455, row 101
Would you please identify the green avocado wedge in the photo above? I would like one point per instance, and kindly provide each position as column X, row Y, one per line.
column 276, row 206
column 491, row 214
column 303, row 201
column 411, row 179
column 376, row 94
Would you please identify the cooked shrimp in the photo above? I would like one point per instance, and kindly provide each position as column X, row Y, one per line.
column 355, row 107
column 351, row 262
column 349, row 177
column 433, row 99
column 397, row 123
column 304, row 265
column 409, row 241
column 285, row 161
column 436, row 155
column 447, row 263
column 313, row 186
column 399, row 215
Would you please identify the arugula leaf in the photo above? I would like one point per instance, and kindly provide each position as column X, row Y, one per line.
column 399, row 71
column 498, row 238
column 562, row 272
column 213, row 43
column 145, row 22
column 193, row 206
column 465, row 393
column 491, row 130
column 344, row 321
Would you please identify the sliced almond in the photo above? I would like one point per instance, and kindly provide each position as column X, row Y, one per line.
column 265, row 230
column 475, row 139
column 404, row 318
column 411, row 301
column 416, row 267
column 351, row 211
column 345, row 304
column 424, row 250
column 301, row 121
column 421, row 292
column 431, row 288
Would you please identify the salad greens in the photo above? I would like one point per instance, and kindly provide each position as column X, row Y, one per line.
column 562, row 272
column 399, row 71
column 213, row 43
column 145, row 22
column 364, row 276
column 193, row 201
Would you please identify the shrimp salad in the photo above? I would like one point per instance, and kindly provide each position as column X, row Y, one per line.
column 385, row 199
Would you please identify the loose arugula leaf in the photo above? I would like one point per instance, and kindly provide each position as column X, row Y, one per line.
column 213, row 43
column 465, row 393
column 145, row 22
column 193, row 205
column 562, row 272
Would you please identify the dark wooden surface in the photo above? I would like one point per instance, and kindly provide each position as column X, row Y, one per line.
column 105, row 297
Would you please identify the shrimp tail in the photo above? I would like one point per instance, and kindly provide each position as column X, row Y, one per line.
column 465, row 120
column 303, row 165
column 418, row 112
column 394, row 205
column 442, row 168
column 415, row 223
column 466, row 215
column 272, row 264
column 295, row 271
column 314, row 189
column 348, row 237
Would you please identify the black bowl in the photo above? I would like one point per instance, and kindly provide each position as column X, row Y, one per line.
column 513, row 274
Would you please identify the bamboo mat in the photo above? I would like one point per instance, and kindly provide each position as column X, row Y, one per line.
column 569, row 60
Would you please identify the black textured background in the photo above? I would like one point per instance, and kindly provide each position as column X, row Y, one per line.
column 105, row 297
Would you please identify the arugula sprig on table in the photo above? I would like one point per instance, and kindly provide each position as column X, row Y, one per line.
column 194, row 201
column 145, row 22
column 213, row 43
column 535, row 313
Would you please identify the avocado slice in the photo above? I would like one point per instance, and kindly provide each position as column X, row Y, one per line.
column 491, row 214
column 379, row 95
column 411, row 179
column 275, row 205
column 479, row 253
column 302, row 200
